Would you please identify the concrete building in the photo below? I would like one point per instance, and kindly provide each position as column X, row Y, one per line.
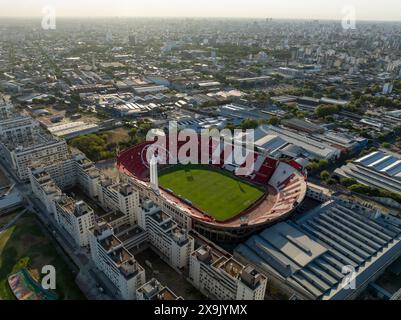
column 115, row 261
column 42, row 148
column 73, row 129
column 118, row 197
column 49, row 179
column 330, row 253
column 6, row 109
column 45, row 189
column 154, row 290
column 165, row 235
column 280, row 140
column 378, row 170
column 223, row 278
column 16, row 128
column 76, row 217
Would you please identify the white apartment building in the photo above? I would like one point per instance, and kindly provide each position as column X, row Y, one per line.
column 165, row 235
column 118, row 197
column 45, row 189
column 22, row 142
column 223, row 278
column 87, row 175
column 154, row 290
column 44, row 148
column 6, row 110
column 115, row 261
column 48, row 180
column 18, row 129
column 76, row 217
column 63, row 173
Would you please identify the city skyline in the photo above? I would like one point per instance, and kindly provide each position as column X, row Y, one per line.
column 388, row 10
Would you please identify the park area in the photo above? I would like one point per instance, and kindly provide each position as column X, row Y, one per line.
column 216, row 193
column 24, row 245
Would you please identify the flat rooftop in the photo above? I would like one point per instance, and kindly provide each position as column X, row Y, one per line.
column 309, row 252
column 229, row 266
column 110, row 243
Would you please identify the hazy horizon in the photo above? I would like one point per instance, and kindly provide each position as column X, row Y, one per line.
column 385, row 10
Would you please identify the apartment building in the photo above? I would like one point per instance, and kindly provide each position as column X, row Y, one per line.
column 6, row 109
column 44, row 148
column 45, row 189
column 76, row 217
column 223, row 278
column 165, row 235
column 154, row 290
column 118, row 197
column 18, row 129
column 115, row 261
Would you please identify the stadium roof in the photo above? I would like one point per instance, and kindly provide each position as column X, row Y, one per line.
column 310, row 253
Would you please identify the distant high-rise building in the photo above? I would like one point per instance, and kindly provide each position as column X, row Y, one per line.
column 387, row 88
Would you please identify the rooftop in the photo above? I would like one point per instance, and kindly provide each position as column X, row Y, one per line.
column 310, row 252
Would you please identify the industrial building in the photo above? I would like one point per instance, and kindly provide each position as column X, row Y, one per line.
column 73, row 129
column 378, row 170
column 280, row 140
column 330, row 253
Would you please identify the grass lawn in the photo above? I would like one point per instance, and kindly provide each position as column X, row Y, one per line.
column 217, row 193
column 24, row 245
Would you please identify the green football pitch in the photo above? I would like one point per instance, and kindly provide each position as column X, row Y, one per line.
column 217, row 193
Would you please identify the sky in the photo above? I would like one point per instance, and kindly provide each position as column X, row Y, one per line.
column 277, row 9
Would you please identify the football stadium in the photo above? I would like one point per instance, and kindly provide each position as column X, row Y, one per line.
column 211, row 198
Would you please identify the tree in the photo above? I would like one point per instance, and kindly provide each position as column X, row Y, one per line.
column 132, row 133
column 326, row 110
column 323, row 163
column 347, row 182
column 249, row 124
column 325, row 175
column 356, row 94
column 274, row 121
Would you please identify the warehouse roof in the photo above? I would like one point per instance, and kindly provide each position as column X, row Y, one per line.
column 310, row 253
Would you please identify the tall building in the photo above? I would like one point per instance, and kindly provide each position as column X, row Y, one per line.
column 6, row 109
column 49, row 179
column 223, row 278
column 76, row 217
column 17, row 129
column 165, row 235
column 115, row 261
column 118, row 197
column 43, row 148
column 22, row 142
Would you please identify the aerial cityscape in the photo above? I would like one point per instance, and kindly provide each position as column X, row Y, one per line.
column 193, row 157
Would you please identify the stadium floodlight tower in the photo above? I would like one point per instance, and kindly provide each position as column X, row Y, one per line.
column 154, row 179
